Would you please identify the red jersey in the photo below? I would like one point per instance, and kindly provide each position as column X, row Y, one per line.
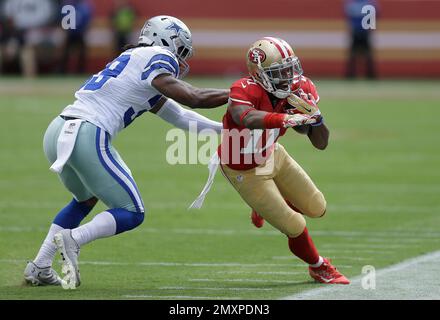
column 243, row 148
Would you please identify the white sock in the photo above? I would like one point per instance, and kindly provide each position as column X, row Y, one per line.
column 48, row 249
column 319, row 263
column 103, row 225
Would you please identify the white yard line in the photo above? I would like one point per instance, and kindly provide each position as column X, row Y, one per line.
column 284, row 273
column 415, row 278
column 202, row 264
column 246, row 280
column 333, row 257
column 359, row 250
column 183, row 264
column 380, row 240
column 354, row 258
column 216, row 288
column 361, row 208
column 382, row 188
column 333, row 207
column 364, row 245
column 388, row 234
column 171, row 264
column 384, row 236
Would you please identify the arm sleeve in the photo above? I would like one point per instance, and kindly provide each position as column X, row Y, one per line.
column 180, row 117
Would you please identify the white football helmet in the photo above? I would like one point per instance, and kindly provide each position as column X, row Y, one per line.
column 172, row 34
column 272, row 63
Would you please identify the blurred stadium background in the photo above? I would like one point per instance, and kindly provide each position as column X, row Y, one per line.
column 380, row 173
column 406, row 42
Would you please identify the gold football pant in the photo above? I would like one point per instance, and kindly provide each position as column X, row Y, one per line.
column 267, row 187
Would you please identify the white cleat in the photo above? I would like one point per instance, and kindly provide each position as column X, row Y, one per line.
column 69, row 251
column 36, row 276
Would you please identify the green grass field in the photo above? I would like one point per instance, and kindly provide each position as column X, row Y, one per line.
column 380, row 175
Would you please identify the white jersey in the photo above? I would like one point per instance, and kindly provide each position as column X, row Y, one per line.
column 114, row 97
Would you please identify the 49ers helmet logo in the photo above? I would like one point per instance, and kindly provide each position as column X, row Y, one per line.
column 256, row 53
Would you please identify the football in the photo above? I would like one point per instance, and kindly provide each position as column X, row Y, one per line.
column 296, row 104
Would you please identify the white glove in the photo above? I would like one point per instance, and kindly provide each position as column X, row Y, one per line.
column 298, row 119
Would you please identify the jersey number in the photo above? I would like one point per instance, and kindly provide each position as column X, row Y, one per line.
column 129, row 115
column 112, row 70
column 255, row 141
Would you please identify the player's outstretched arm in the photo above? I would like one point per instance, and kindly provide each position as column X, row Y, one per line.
column 170, row 111
column 188, row 95
column 256, row 119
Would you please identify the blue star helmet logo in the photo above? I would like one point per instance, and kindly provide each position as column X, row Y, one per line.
column 174, row 26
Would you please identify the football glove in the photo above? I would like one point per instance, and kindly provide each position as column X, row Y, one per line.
column 298, row 119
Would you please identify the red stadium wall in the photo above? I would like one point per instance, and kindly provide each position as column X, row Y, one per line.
column 407, row 38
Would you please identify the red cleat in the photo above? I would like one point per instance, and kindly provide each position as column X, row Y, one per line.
column 327, row 274
column 257, row 220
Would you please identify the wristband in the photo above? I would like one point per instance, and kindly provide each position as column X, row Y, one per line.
column 274, row 120
column 320, row 122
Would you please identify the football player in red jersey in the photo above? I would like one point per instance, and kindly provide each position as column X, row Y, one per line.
column 275, row 97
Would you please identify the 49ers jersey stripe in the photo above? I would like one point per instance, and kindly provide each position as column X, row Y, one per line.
column 241, row 101
column 279, row 45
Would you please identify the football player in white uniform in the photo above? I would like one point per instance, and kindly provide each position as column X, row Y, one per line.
column 145, row 77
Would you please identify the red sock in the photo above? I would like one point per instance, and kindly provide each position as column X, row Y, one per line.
column 303, row 247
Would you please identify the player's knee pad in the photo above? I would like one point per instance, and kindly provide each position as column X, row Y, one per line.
column 317, row 205
column 126, row 220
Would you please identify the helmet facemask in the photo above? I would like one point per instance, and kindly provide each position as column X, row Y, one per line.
column 183, row 52
column 279, row 77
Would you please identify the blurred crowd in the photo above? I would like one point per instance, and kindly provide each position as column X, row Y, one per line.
column 36, row 36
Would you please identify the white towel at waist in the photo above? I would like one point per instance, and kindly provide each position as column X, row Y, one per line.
column 212, row 167
column 65, row 143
